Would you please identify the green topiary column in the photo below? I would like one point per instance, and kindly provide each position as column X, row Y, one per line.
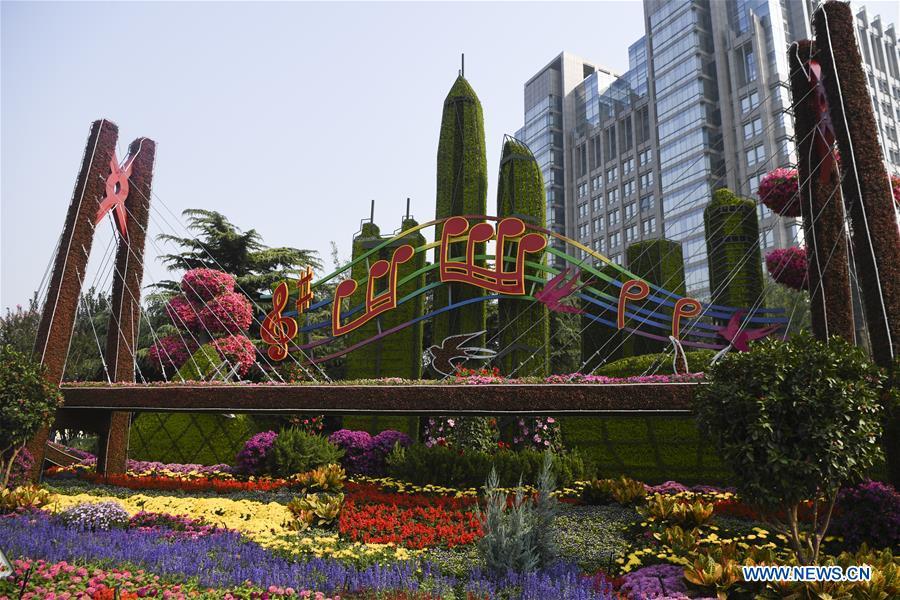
column 660, row 262
column 461, row 190
column 732, row 246
column 524, row 325
column 600, row 343
column 364, row 362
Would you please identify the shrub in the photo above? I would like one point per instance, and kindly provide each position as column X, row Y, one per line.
column 440, row 465
column 796, row 420
column 95, row 516
column 23, row 498
column 470, row 433
column 634, row 366
column 624, row 491
column 869, row 513
column 677, row 511
column 252, row 457
column 27, row 402
column 296, row 451
column 539, row 433
column 517, row 534
column 315, row 510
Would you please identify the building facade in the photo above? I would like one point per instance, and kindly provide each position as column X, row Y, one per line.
column 703, row 105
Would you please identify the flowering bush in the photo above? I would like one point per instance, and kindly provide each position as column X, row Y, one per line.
column 172, row 351
column 252, row 457
column 183, row 313
column 788, row 266
column 870, row 513
column 779, row 190
column 21, row 468
column 98, row 516
column 895, row 188
column 471, row 433
column 229, row 312
column 204, row 284
column 540, row 433
column 238, row 350
column 655, row 581
column 365, row 454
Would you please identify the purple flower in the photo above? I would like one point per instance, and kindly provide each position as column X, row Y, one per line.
column 655, row 581
column 252, row 457
column 868, row 512
column 95, row 516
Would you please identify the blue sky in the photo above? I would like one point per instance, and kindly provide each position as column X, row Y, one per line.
column 287, row 118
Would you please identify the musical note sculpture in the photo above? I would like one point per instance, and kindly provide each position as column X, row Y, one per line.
column 304, row 295
column 636, row 289
column 276, row 330
column 376, row 304
column 497, row 279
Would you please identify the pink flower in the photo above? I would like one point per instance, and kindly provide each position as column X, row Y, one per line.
column 779, row 190
column 204, row 284
column 229, row 312
column 183, row 313
column 788, row 266
column 237, row 350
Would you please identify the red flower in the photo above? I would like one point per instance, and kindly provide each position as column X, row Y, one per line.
column 779, row 190
column 788, row 266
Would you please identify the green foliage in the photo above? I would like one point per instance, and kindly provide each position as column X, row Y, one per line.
column 205, row 439
column 661, row 263
column 440, row 465
column 660, row 364
column 27, row 402
column 623, row 490
column 518, row 535
column 796, row 420
column 315, row 510
column 565, row 346
column 523, row 325
column 461, row 190
column 296, row 451
column 474, row 433
column 219, row 244
column 202, row 365
column 732, row 244
column 19, row 329
column 23, row 498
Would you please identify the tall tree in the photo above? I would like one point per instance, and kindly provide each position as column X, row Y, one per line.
column 220, row 245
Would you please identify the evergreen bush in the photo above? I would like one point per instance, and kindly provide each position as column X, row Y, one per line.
column 296, row 451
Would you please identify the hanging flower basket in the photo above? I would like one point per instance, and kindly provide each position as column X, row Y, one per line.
column 779, row 190
column 787, row 266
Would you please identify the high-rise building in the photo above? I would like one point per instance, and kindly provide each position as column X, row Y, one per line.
column 702, row 106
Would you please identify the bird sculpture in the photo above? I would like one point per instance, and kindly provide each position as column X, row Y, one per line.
column 560, row 287
column 445, row 359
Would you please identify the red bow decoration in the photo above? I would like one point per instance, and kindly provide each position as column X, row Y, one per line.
column 824, row 140
column 116, row 193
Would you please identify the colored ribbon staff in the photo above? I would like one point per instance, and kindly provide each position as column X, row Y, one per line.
column 376, row 304
column 116, row 193
column 496, row 279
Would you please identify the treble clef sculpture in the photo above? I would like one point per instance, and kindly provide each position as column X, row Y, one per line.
column 278, row 331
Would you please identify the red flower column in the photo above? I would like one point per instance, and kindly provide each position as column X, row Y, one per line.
column 51, row 345
column 867, row 193
column 822, row 209
column 124, row 321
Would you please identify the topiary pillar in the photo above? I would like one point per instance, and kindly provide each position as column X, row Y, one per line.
column 868, row 196
column 601, row 343
column 461, row 190
column 524, row 325
column 732, row 246
column 364, row 362
column 822, row 207
column 660, row 262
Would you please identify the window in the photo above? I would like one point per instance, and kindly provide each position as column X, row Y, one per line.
column 646, row 203
column 595, row 182
column 598, row 245
column 598, row 225
column 631, row 233
column 628, row 188
column 616, row 258
column 766, row 238
column 629, row 210
column 749, row 102
column 628, row 166
column 612, row 219
column 764, row 211
column 755, row 155
column 646, row 180
column 612, row 196
column 582, row 210
column 753, row 183
column 610, row 175
column 645, row 157
column 747, row 69
column 752, row 128
column 615, row 240
column 648, row 226
column 597, row 203
column 582, row 190
column 583, row 231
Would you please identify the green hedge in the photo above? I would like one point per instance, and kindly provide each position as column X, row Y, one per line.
column 732, row 245
column 659, row 363
column 440, row 465
column 661, row 263
column 188, row 438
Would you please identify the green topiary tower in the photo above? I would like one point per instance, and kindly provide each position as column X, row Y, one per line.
column 732, row 247
column 461, row 190
column 660, row 262
column 524, row 325
column 601, row 343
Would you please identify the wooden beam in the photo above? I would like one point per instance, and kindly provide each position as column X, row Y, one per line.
column 524, row 399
